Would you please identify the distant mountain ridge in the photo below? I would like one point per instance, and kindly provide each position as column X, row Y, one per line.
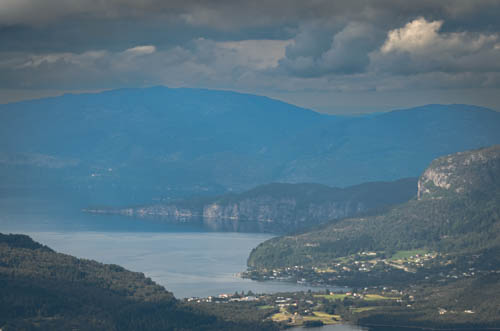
column 133, row 145
column 278, row 207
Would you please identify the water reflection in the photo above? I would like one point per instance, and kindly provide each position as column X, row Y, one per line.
column 186, row 259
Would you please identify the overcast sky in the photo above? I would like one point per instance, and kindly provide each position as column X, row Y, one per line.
column 348, row 56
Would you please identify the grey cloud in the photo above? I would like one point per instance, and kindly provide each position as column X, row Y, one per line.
column 232, row 13
column 279, row 47
column 201, row 62
column 349, row 50
column 317, row 51
column 57, row 25
column 310, row 42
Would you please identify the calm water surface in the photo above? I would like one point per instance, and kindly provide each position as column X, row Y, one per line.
column 188, row 264
column 187, row 260
column 338, row 327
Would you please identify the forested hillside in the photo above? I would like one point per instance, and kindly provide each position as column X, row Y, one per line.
column 440, row 252
column 44, row 290
column 458, row 210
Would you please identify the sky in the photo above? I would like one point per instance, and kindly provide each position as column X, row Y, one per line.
column 342, row 57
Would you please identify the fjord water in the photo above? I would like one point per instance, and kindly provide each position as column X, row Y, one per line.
column 335, row 327
column 187, row 260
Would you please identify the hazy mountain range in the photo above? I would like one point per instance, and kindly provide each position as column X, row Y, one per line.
column 134, row 145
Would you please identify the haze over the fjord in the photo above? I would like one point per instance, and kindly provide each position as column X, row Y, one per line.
column 338, row 57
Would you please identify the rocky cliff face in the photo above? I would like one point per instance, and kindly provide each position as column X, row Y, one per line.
column 457, row 173
column 279, row 214
column 279, row 207
column 280, row 211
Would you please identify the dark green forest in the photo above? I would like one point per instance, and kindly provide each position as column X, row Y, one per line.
column 44, row 290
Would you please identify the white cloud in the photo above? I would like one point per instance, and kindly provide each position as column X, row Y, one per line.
column 413, row 37
column 421, row 36
column 420, row 47
column 141, row 50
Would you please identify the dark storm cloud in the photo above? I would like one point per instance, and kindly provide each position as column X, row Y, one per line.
column 278, row 47
column 318, row 51
column 89, row 23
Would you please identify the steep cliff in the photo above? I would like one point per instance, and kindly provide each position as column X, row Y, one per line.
column 461, row 173
column 280, row 207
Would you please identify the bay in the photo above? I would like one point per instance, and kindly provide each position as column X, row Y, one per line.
column 190, row 264
column 187, row 260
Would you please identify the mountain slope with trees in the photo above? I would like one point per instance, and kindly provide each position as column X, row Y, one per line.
column 439, row 252
column 457, row 210
column 44, row 290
